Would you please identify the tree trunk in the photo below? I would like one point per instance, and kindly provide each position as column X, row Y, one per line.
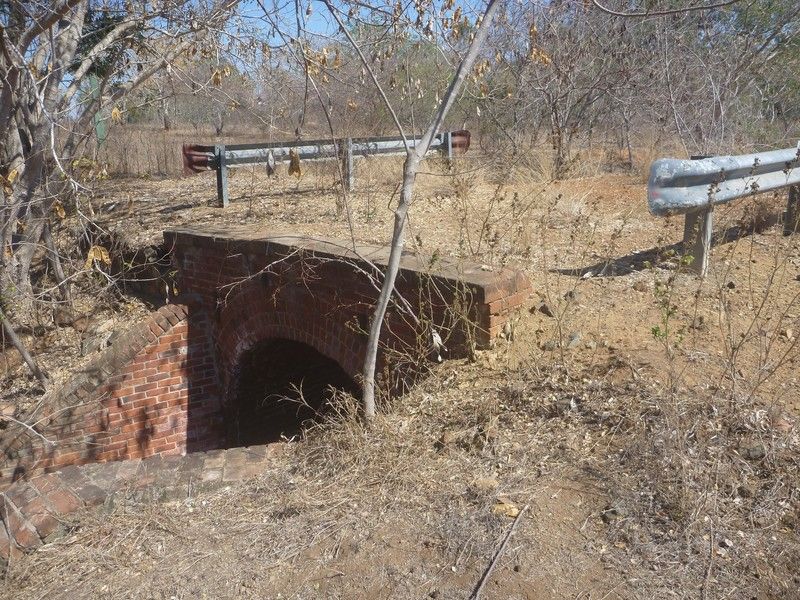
column 413, row 159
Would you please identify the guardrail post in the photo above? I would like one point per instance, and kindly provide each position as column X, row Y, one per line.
column 347, row 165
column 791, row 220
column 222, row 175
column 697, row 229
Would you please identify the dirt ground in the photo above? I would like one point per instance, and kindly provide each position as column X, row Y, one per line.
column 644, row 420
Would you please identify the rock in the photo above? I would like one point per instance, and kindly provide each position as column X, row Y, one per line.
column 574, row 340
column 698, row 323
column 573, row 296
column 730, row 285
column 788, row 333
column 563, row 405
column 611, row 514
column 485, row 484
column 544, row 308
column 550, row 346
column 63, row 317
column 641, row 286
column 590, row 345
column 753, row 451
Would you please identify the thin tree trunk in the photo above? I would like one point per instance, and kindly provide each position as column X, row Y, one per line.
column 55, row 261
column 413, row 159
column 8, row 329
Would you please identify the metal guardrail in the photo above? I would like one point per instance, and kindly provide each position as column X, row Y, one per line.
column 693, row 187
column 220, row 157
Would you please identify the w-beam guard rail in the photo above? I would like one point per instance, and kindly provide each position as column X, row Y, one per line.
column 693, row 187
column 198, row 158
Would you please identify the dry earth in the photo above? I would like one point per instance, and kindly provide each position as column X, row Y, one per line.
column 646, row 418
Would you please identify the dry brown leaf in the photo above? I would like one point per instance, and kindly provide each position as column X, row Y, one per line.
column 97, row 253
column 8, row 182
column 294, row 163
column 505, row 508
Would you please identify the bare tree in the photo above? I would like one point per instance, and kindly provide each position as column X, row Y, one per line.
column 50, row 55
column 414, row 156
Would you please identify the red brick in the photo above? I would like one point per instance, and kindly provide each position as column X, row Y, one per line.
column 45, row 483
column 44, row 523
column 144, row 387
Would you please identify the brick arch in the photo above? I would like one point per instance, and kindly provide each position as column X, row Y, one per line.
column 290, row 313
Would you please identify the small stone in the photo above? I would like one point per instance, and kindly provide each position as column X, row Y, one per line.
column 611, row 514
column 590, row 345
column 563, row 405
column 698, row 323
column 641, row 286
column 486, row 484
column 545, row 309
column 730, row 285
column 788, row 333
column 63, row 317
column 572, row 296
column 754, row 452
column 574, row 339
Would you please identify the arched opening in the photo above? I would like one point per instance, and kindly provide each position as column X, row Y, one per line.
column 280, row 385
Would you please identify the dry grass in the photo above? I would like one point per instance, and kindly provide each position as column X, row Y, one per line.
column 656, row 466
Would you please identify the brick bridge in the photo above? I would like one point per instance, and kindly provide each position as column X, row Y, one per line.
column 259, row 317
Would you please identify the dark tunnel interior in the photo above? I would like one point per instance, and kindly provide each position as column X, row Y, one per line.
column 282, row 385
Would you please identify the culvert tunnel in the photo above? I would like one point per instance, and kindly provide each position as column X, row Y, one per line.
column 282, row 386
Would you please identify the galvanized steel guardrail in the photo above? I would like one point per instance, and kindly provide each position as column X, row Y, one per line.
column 221, row 157
column 693, row 187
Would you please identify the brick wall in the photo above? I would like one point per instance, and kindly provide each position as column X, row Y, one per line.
column 320, row 293
column 163, row 386
column 154, row 391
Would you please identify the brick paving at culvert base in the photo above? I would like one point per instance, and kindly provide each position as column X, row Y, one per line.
column 34, row 512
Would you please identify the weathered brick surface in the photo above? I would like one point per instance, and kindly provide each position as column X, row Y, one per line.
column 159, row 390
column 48, row 501
column 132, row 401
column 317, row 292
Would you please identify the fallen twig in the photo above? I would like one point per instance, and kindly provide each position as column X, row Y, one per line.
column 477, row 593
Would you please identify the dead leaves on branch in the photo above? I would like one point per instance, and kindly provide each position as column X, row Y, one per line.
column 8, row 181
column 99, row 254
column 58, row 209
column 294, row 163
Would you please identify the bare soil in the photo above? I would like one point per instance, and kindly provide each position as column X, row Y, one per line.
column 646, row 417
